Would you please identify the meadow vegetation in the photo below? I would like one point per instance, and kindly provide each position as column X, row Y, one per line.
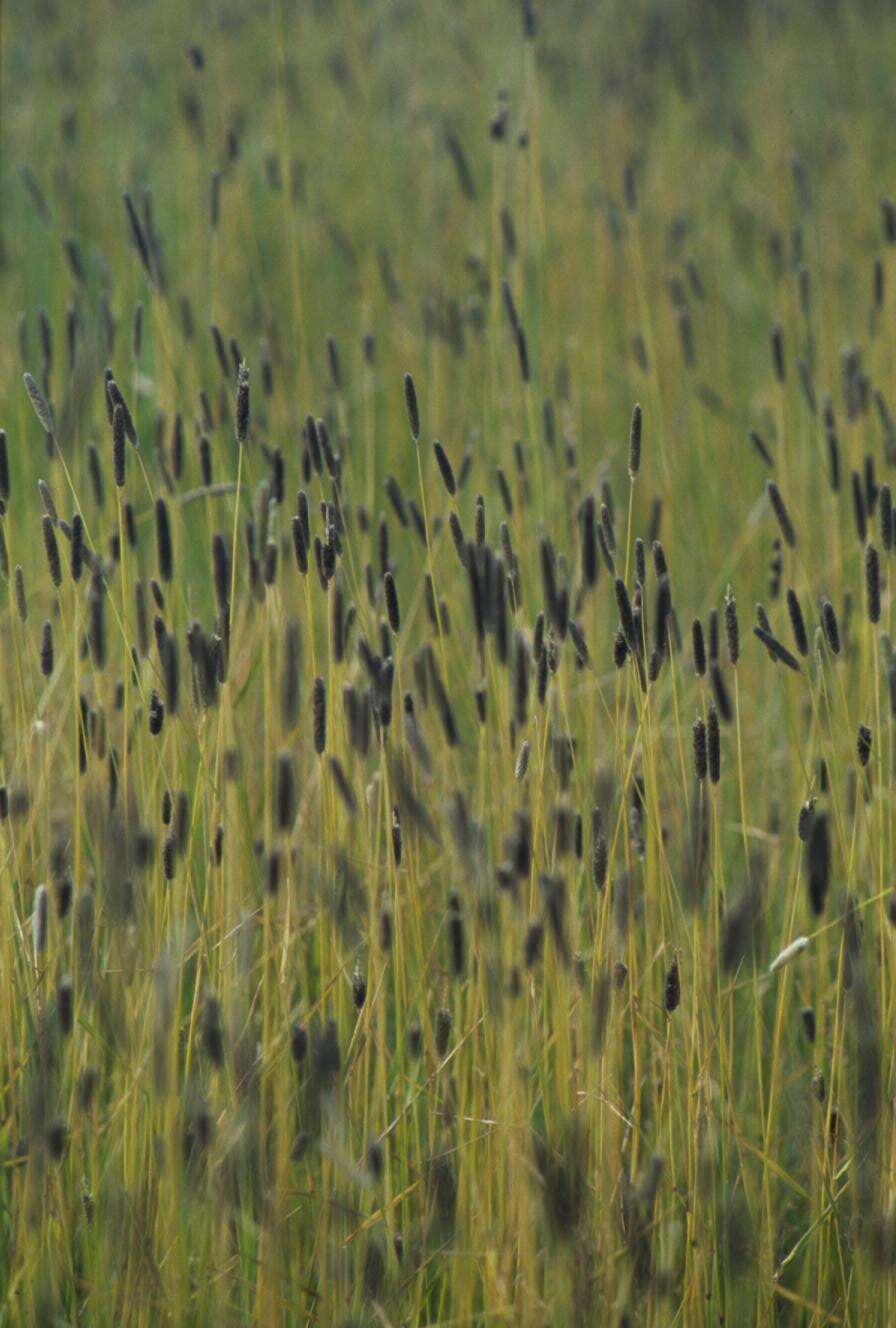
column 446, row 686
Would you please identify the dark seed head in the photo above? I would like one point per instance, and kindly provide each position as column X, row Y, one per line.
column 444, row 1023
column 410, row 401
column 732, row 633
column 391, row 594
column 699, row 646
column 634, row 443
column 164, row 550
column 46, row 649
column 77, row 547
column 720, row 692
column 298, row 1043
column 456, row 936
column 781, row 513
column 872, row 584
column 212, row 1031
column 714, row 747
column 620, row 650
column 319, row 715
column 830, row 626
column 242, row 404
column 118, row 444
column 777, row 344
column 626, row 617
column 818, row 862
column 156, row 714
column 445, row 468
column 672, row 990
column 797, row 623
column 51, row 548
column 4, row 468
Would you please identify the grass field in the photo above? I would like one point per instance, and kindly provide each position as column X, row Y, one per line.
column 447, row 837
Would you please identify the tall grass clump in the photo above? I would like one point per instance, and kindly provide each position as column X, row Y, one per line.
column 447, row 677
